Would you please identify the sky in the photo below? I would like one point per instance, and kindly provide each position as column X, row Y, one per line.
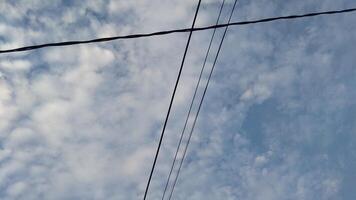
column 83, row 122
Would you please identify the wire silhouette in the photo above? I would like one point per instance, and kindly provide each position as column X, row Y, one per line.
column 143, row 35
column 201, row 102
column 171, row 102
column 191, row 104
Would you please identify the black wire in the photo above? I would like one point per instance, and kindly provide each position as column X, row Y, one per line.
column 171, row 102
column 106, row 39
column 192, row 102
column 201, row 102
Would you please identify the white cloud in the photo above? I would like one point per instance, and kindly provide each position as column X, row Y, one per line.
column 83, row 122
column 17, row 65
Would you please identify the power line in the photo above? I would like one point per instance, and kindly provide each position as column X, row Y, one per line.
column 201, row 102
column 142, row 35
column 192, row 102
column 171, row 102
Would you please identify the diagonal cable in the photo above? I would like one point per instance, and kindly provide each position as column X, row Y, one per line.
column 201, row 102
column 191, row 104
column 171, row 103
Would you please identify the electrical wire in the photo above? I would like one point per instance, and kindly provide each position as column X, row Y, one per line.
column 192, row 102
column 171, row 101
column 201, row 102
column 142, row 35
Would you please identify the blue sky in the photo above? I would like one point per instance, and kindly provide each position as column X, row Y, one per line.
column 82, row 122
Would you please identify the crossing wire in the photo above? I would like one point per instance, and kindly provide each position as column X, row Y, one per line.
column 171, row 102
column 191, row 104
column 201, row 103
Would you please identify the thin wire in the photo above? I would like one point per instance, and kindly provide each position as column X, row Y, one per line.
column 141, row 35
column 171, row 102
column 192, row 102
column 201, row 102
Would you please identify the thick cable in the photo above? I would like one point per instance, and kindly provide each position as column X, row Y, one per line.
column 142, row 35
